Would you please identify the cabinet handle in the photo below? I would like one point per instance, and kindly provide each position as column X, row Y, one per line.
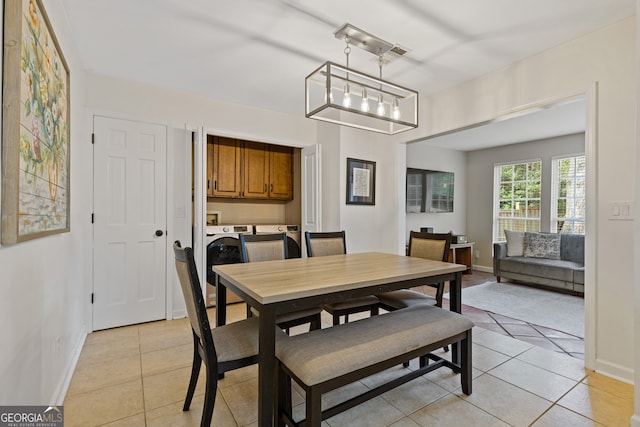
column 208, row 184
column 215, row 184
column 272, row 188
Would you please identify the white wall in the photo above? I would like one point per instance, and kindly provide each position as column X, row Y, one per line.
column 480, row 185
column 44, row 300
column 608, row 58
column 421, row 156
column 370, row 228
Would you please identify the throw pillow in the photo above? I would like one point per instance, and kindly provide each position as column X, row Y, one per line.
column 542, row 245
column 515, row 242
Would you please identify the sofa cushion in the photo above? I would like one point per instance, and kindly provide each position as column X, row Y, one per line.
column 578, row 276
column 572, row 247
column 515, row 242
column 542, row 245
column 540, row 267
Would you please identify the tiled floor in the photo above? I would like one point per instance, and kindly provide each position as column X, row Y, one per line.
column 540, row 336
column 138, row 375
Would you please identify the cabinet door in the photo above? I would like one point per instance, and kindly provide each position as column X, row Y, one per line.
column 256, row 170
column 280, row 172
column 226, row 167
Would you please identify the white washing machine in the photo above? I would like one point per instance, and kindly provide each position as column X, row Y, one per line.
column 223, row 247
column 293, row 236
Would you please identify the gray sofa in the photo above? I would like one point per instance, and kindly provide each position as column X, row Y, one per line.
column 566, row 273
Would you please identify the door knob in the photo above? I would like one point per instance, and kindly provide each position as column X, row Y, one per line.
column 159, row 233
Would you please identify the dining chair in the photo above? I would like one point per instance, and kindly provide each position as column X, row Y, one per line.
column 270, row 247
column 334, row 243
column 223, row 348
column 433, row 246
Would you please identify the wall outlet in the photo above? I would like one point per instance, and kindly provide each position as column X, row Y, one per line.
column 476, row 253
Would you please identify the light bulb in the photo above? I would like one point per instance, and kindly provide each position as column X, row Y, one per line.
column 396, row 109
column 364, row 106
column 330, row 96
column 380, row 110
column 346, row 100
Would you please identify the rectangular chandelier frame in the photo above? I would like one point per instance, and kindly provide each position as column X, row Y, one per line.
column 335, row 94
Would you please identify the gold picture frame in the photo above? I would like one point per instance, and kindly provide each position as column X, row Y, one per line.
column 35, row 126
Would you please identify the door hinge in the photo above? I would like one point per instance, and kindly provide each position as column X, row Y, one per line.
column 91, row 297
column 92, row 218
column 93, row 138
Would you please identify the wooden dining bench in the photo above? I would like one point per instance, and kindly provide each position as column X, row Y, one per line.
column 325, row 359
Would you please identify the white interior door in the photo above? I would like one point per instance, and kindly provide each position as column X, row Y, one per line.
column 311, row 191
column 129, row 227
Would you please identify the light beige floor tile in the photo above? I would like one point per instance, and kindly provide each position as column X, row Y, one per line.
column 238, row 376
column 610, row 385
column 559, row 363
column 405, row 422
column 543, row 383
column 559, row 416
column 599, row 405
column 164, row 334
column 92, row 375
column 173, row 416
column 170, row 387
column 505, row 401
column 372, row 413
column 104, row 405
column 414, row 395
column 449, row 380
column 453, row 411
column 242, row 399
column 110, row 344
column 485, row 359
column 332, row 398
column 501, row 343
column 167, row 359
column 137, row 420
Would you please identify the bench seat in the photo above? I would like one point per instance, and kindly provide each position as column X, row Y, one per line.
column 325, row 359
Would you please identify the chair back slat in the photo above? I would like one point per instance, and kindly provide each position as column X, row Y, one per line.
column 325, row 243
column 194, row 300
column 433, row 246
column 263, row 247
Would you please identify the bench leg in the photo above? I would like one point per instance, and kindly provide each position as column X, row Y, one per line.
column 465, row 364
column 314, row 408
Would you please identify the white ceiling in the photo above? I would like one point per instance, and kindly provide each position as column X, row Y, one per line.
column 258, row 52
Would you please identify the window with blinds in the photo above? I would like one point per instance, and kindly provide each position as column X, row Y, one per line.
column 568, row 199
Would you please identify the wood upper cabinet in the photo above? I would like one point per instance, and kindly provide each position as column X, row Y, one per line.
column 280, row 172
column 224, row 167
column 256, row 170
column 247, row 169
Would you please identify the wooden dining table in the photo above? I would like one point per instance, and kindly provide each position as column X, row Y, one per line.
column 277, row 287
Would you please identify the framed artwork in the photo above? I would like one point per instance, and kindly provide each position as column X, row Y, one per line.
column 35, row 126
column 361, row 182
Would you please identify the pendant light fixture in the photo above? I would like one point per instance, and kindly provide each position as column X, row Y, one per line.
column 396, row 109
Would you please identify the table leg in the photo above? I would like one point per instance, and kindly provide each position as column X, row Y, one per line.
column 221, row 302
column 455, row 304
column 267, row 369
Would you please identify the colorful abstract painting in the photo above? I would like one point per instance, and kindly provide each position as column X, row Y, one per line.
column 36, row 127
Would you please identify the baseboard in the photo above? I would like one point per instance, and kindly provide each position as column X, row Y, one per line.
column 614, row 371
column 483, row 268
column 61, row 390
column 635, row 421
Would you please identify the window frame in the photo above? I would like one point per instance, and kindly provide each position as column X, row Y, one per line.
column 498, row 234
column 555, row 196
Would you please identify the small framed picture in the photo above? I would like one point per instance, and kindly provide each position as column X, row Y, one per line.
column 361, row 182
